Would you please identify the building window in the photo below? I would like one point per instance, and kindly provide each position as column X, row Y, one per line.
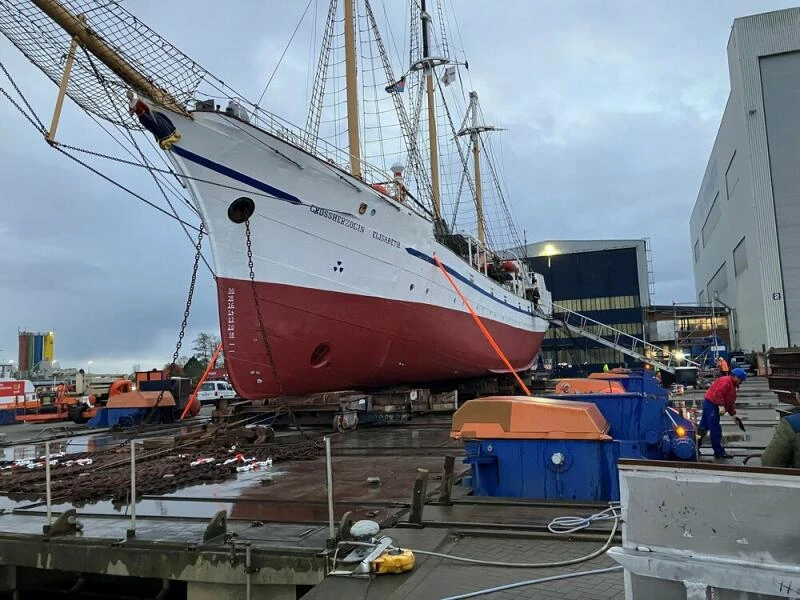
column 711, row 220
column 740, row 258
column 719, row 282
column 731, row 177
column 696, row 250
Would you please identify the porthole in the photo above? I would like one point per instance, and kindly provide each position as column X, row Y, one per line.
column 319, row 357
column 241, row 210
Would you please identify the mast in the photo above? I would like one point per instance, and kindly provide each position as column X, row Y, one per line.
column 434, row 143
column 351, row 78
column 74, row 26
column 474, row 132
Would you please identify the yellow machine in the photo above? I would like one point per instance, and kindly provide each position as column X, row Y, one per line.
column 393, row 561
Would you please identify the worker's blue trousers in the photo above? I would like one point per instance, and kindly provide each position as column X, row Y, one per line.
column 710, row 422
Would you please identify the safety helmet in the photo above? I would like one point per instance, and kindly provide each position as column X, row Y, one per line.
column 740, row 373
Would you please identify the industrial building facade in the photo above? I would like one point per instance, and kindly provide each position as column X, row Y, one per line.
column 745, row 226
column 606, row 280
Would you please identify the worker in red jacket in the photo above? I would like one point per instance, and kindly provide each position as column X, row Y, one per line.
column 720, row 397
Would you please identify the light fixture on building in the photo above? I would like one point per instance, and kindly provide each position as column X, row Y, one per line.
column 549, row 250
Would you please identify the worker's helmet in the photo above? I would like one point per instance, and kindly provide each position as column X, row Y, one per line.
column 740, row 373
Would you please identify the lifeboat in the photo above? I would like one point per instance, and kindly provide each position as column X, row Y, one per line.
column 510, row 266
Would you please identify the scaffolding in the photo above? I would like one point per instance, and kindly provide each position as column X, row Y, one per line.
column 700, row 327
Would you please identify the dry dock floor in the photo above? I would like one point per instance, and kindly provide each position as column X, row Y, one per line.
column 282, row 514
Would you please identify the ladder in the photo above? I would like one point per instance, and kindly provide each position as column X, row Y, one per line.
column 614, row 338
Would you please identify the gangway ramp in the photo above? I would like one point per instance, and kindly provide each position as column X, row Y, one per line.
column 616, row 339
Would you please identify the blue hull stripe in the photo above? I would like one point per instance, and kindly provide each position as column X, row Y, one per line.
column 286, row 197
column 241, row 177
column 461, row 278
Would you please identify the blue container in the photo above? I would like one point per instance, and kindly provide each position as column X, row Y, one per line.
column 646, row 421
column 513, row 454
column 580, row 470
column 123, row 417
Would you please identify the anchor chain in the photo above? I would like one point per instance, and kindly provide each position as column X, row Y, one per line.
column 187, row 309
column 258, row 306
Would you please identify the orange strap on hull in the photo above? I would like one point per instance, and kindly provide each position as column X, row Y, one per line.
column 210, row 366
column 482, row 327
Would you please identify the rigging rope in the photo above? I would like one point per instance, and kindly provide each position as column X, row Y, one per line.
column 285, row 50
column 144, row 158
column 36, row 122
column 133, row 156
column 59, row 148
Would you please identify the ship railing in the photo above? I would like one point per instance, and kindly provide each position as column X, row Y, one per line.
column 295, row 135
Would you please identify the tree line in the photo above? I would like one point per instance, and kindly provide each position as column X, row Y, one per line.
column 203, row 346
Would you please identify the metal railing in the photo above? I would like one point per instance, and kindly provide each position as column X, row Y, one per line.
column 618, row 340
column 297, row 136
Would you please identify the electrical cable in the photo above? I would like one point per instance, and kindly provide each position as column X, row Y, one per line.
column 568, row 525
column 511, row 586
column 574, row 523
column 510, row 565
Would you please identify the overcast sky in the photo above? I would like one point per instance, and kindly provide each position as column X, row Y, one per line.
column 611, row 109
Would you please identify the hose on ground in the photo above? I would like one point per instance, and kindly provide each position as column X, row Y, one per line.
column 575, row 524
column 544, row 565
column 511, row 586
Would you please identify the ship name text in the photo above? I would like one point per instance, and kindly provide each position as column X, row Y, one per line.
column 382, row 237
column 342, row 220
column 329, row 214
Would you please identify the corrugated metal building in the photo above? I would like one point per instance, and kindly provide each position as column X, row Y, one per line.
column 745, row 226
column 607, row 280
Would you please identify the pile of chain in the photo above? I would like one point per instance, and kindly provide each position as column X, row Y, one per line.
column 185, row 463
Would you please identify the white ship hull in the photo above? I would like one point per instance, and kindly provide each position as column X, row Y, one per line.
column 349, row 291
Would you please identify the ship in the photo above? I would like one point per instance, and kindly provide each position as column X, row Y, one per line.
column 332, row 273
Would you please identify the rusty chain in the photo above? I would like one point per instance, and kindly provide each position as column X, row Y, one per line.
column 187, row 309
column 258, row 306
column 33, row 116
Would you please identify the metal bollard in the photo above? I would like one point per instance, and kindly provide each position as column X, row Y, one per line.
column 47, row 484
column 329, row 467
column 248, row 570
column 132, row 530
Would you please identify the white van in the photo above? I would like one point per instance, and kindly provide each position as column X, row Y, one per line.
column 211, row 391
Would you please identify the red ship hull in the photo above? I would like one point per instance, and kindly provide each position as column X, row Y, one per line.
column 324, row 341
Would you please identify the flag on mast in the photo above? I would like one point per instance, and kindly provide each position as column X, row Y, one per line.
column 449, row 76
column 397, row 86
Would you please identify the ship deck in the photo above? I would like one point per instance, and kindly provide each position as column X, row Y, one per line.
column 281, row 515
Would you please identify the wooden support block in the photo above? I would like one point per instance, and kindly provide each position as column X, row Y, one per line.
column 418, row 496
column 447, row 479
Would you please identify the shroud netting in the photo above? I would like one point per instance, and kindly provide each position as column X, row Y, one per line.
column 92, row 85
column 392, row 128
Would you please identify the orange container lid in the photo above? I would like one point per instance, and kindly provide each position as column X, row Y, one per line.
column 589, row 386
column 609, row 375
column 521, row 417
column 139, row 399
